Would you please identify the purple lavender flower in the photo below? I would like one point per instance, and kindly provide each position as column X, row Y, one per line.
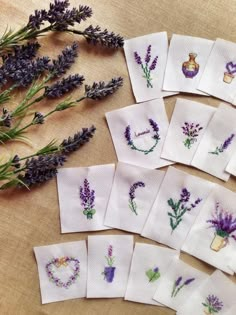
column 184, row 196
column 99, row 90
column 137, row 58
column 213, row 304
column 128, row 135
column 231, row 67
column 148, row 54
column 156, row 269
column 153, row 274
column 87, row 198
column 223, row 146
column 153, row 64
column 154, row 125
column 191, row 130
column 178, row 281
column 177, row 286
column 110, row 250
column 132, row 203
column 6, row 118
column 38, row 118
column 188, row 281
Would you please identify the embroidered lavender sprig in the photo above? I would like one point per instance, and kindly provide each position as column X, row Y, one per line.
column 213, row 304
column 132, row 203
column 109, row 271
column 178, row 286
column 180, row 207
column 153, row 274
column 87, row 198
column 224, row 146
column 191, row 130
column 146, row 66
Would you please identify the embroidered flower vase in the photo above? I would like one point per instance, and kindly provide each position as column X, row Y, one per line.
column 109, row 273
column 219, row 242
column 228, row 77
column 206, row 311
column 89, row 213
column 190, row 68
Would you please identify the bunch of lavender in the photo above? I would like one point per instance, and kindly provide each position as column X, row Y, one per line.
column 224, row 146
column 132, row 203
column 191, row 130
column 147, row 67
column 180, row 207
column 213, row 304
column 153, row 274
column 60, row 18
column 87, row 197
column 223, row 222
column 178, row 285
column 42, row 165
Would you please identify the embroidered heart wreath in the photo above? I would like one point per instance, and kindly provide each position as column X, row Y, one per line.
column 63, row 262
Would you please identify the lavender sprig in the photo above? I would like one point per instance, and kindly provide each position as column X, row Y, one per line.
column 110, row 258
column 213, row 304
column 100, row 89
column 191, row 130
column 6, row 118
column 132, row 202
column 224, row 146
column 87, row 197
column 178, row 286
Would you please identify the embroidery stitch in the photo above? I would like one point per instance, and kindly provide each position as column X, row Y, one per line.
column 109, row 271
column 147, row 68
column 178, row 286
column 225, row 225
column 153, row 274
column 229, row 74
column 132, row 203
column 155, row 137
column 223, row 146
column 190, row 68
column 212, row 304
column 180, row 207
column 65, row 262
column 191, row 130
column 87, row 198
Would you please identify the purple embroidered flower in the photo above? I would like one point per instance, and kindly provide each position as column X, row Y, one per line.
column 110, row 250
column 177, row 286
column 154, row 125
column 188, row 281
column 191, row 130
column 178, row 281
column 156, row 269
column 87, row 197
column 137, row 58
column 213, row 304
column 223, row 146
column 153, row 274
column 132, row 203
column 154, row 64
column 109, row 271
column 185, row 195
column 231, row 67
column 148, row 54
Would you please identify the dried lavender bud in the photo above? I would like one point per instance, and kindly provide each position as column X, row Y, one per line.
column 37, row 19
column 74, row 143
column 6, row 118
column 16, row 161
column 28, row 51
column 188, row 281
column 101, row 89
column 3, row 79
column 64, row 86
column 38, row 118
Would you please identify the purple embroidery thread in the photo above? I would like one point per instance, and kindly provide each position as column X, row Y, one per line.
column 132, row 202
column 153, row 274
column 223, row 146
column 178, row 286
column 191, row 130
column 180, row 207
column 63, row 261
column 212, row 304
column 147, row 68
column 109, row 271
column 87, row 198
column 155, row 137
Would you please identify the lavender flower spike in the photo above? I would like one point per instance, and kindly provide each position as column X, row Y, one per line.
column 87, row 197
column 101, row 89
column 223, row 146
column 213, row 304
column 132, row 203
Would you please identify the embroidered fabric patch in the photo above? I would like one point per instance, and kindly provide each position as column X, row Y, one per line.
column 178, row 202
column 146, row 60
column 82, row 198
column 138, row 133
column 109, row 258
column 62, row 271
column 218, row 143
column 149, row 265
column 187, row 127
column 133, row 192
column 218, row 78
column 186, row 61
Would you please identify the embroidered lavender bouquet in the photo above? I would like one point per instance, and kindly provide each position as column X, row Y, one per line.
column 109, row 271
column 212, row 305
column 87, row 197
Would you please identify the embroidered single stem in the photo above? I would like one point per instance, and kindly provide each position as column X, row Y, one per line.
column 146, row 67
column 87, row 197
column 177, row 286
column 180, row 207
column 223, row 146
column 155, row 137
column 213, row 304
column 132, row 203
column 153, row 274
column 109, row 271
column 191, row 130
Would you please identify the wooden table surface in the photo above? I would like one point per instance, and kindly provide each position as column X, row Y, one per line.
column 29, row 219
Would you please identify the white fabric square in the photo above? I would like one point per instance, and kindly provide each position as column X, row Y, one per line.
column 138, row 133
column 178, row 284
column 212, row 238
column 218, row 143
column 82, row 198
column 218, row 78
column 146, row 58
column 179, row 200
column 109, row 259
column 188, row 124
column 149, row 264
column 62, row 271
column 186, row 61
column 231, row 167
column 133, row 193
column 214, row 296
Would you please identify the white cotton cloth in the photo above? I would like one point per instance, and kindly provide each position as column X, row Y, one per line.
column 213, row 244
column 144, row 91
column 75, row 215
column 133, row 193
column 217, row 288
column 57, row 265
column 180, row 75
column 218, row 78
column 144, row 148
column 149, row 265
column 108, row 280
column 158, row 226
column 218, row 143
column 231, row 167
column 178, row 284
column 188, row 124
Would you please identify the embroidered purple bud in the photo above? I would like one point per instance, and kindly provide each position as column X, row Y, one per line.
column 231, row 67
column 188, row 281
column 185, row 195
column 110, row 250
column 178, row 281
column 153, row 64
column 128, row 135
column 134, row 187
column 214, row 302
column 156, row 269
column 228, row 142
column 137, row 58
column 148, row 54
column 154, row 125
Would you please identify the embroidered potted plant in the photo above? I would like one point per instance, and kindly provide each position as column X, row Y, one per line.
column 87, row 198
column 132, row 203
column 109, row 271
column 224, row 224
column 212, row 305
column 230, row 72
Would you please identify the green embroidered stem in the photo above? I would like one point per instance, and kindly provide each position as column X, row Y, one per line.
column 110, row 261
column 133, row 147
column 147, row 75
column 133, row 206
column 175, row 218
column 189, row 142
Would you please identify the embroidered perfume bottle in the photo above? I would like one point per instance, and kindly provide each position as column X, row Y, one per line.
column 190, row 68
